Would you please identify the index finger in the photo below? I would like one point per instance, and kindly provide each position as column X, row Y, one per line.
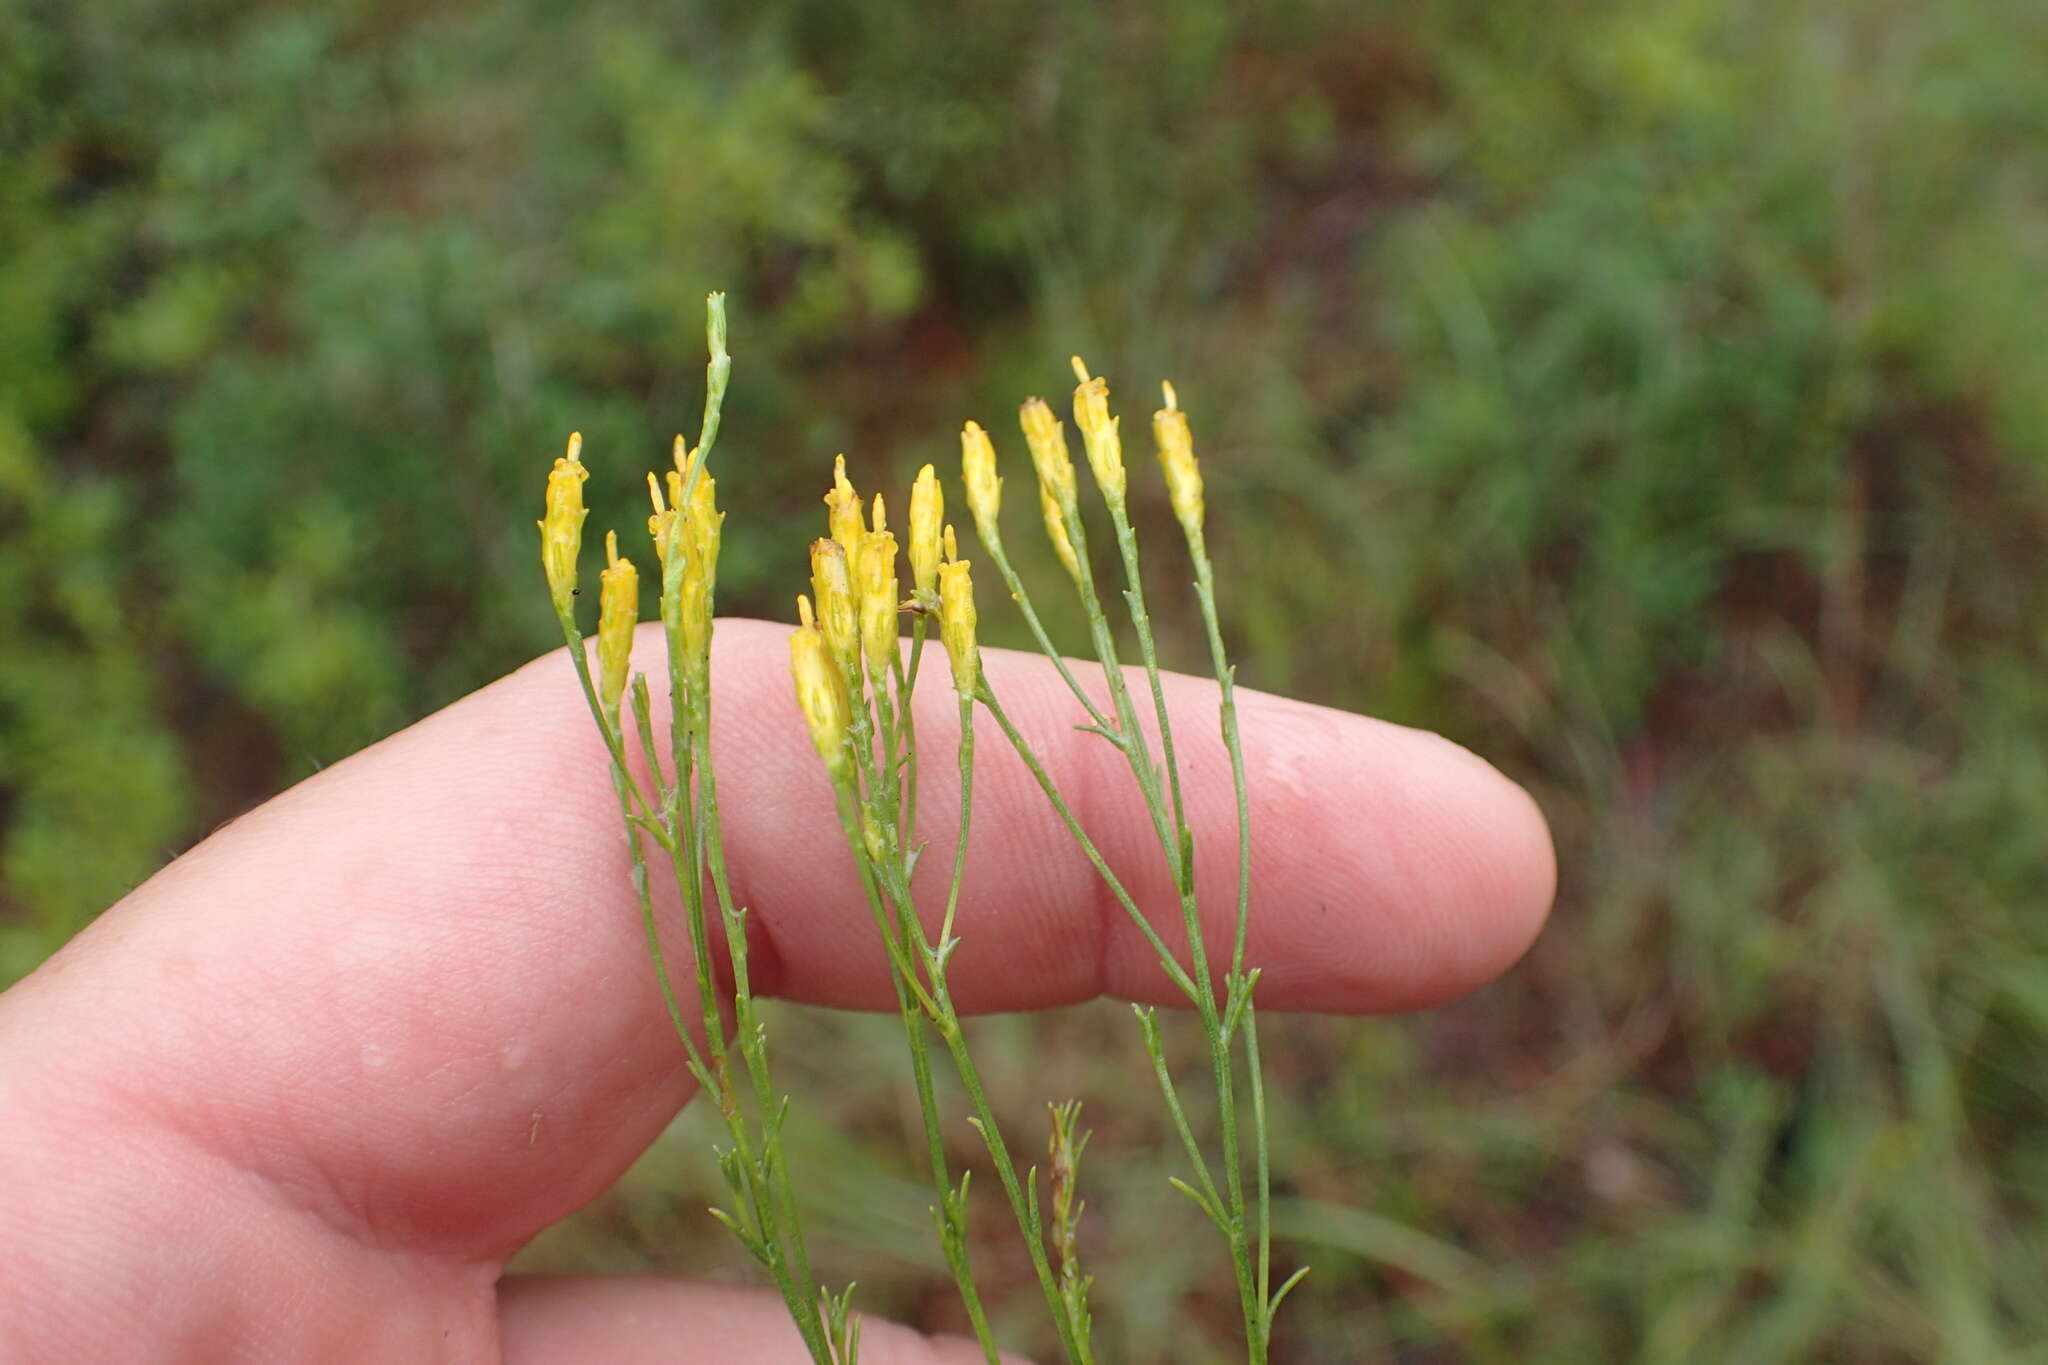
column 1391, row 868
column 413, row 991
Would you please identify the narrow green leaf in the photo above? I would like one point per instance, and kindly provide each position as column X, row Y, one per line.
column 1286, row 1288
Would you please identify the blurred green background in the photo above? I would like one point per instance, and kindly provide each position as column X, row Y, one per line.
column 1652, row 397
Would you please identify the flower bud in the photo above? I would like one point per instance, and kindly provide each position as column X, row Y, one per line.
column 561, row 528
column 927, row 512
column 821, row 695
column 702, row 519
column 838, row 608
column 843, row 514
column 956, row 625
column 878, row 603
column 1047, row 438
column 618, row 609
column 701, row 525
column 1099, row 432
column 1177, row 459
column 1048, row 442
column 978, row 473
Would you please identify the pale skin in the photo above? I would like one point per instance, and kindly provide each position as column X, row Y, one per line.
column 302, row 1094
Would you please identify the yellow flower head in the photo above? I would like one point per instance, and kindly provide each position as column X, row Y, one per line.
column 949, row 545
column 927, row 511
column 878, row 603
column 978, row 472
column 702, row 525
column 821, row 694
column 702, row 518
column 686, row 541
column 843, row 512
column 838, row 608
column 1177, row 459
column 1047, row 438
column 956, row 624
column 618, row 609
column 561, row 528
column 1099, row 432
column 1048, row 441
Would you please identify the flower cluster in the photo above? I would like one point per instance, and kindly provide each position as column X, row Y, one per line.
column 685, row 528
column 674, row 805
column 855, row 680
column 844, row 655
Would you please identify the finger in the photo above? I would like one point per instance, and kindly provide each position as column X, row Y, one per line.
column 413, row 993
column 566, row 1320
column 1392, row 869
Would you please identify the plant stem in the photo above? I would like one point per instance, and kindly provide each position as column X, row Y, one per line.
column 685, row 821
column 951, row 1234
column 946, row 1017
column 1174, row 971
column 1134, row 596
column 992, row 540
column 1174, row 843
column 1233, row 743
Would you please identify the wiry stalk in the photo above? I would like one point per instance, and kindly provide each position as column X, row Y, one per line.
column 856, row 689
column 1242, row 1218
column 681, row 815
column 866, row 735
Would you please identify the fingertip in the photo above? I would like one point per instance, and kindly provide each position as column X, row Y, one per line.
column 1410, row 870
column 1495, row 875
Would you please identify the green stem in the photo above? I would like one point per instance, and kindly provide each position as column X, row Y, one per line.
column 1250, row 1293
column 802, row 1310
column 752, row 1037
column 907, row 690
column 1174, row 971
column 607, row 728
column 947, row 1019
column 1227, row 721
column 1148, row 1026
column 1134, row 596
column 687, row 861
column 687, row 824
column 886, row 883
column 952, row 1235
column 993, row 540
column 627, row 789
column 1265, row 1182
column 966, row 806
column 1137, row 751
column 1073, row 1339
column 1226, row 681
column 1176, row 843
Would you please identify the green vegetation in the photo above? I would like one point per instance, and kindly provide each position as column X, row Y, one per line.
column 1654, row 398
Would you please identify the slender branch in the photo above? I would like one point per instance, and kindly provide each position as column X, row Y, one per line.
column 992, row 540
column 952, row 1237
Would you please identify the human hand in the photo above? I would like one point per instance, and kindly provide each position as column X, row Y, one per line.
column 302, row 1094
